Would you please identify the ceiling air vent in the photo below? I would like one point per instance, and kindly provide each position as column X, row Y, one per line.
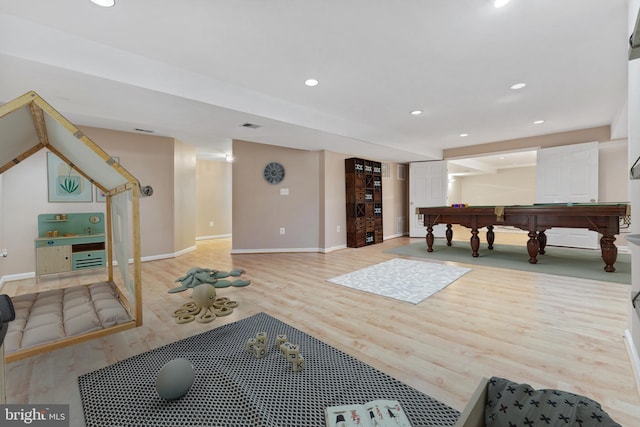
column 386, row 170
column 250, row 125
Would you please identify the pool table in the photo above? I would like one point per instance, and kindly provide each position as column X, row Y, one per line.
column 602, row 218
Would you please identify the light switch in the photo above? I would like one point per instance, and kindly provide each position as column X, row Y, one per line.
column 284, row 191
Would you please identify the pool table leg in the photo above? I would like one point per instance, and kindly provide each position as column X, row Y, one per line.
column 429, row 238
column 475, row 242
column 542, row 242
column 491, row 236
column 449, row 234
column 609, row 252
column 533, row 247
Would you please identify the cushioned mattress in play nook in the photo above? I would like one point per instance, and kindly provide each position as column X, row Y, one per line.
column 57, row 314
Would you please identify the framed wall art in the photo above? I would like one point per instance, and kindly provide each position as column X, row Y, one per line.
column 65, row 183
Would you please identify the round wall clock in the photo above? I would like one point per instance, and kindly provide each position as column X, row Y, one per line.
column 274, row 173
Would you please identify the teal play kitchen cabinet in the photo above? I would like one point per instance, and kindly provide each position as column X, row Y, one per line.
column 69, row 242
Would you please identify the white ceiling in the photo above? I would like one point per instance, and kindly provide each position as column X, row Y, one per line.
column 197, row 70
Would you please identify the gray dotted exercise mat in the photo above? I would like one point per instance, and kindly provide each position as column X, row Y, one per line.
column 234, row 388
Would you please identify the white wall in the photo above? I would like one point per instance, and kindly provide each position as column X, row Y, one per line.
column 633, row 334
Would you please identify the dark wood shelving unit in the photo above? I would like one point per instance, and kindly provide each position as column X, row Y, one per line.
column 363, row 179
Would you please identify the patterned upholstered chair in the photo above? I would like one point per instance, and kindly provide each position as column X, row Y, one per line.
column 7, row 314
column 498, row 402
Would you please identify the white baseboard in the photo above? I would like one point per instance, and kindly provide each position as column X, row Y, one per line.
column 165, row 256
column 12, row 277
column 216, row 236
column 320, row 250
column 32, row 274
column 273, row 250
column 20, row 276
column 633, row 356
column 394, row 236
column 333, row 248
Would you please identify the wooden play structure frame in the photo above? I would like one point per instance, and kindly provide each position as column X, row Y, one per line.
column 29, row 124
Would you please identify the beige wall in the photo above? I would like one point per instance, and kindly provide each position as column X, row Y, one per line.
column 24, row 198
column 213, row 198
column 518, row 185
column 151, row 160
column 514, row 186
column 395, row 203
column 602, row 133
column 184, row 204
column 613, row 182
column 314, row 208
column 454, row 191
column 333, row 200
column 259, row 210
column 612, row 179
column 173, row 216
column 188, row 192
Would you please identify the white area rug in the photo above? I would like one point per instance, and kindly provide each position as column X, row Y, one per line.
column 402, row 279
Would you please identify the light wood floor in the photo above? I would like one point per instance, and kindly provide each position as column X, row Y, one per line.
column 548, row 331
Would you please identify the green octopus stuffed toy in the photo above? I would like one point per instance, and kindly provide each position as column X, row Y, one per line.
column 198, row 275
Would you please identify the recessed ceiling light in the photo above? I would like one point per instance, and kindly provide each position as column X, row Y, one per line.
column 518, row 86
column 311, row 82
column 464, row 134
column 538, row 122
column 416, row 112
column 500, row 3
column 104, row 3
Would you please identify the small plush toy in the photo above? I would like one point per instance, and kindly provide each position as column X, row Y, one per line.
column 205, row 307
column 196, row 276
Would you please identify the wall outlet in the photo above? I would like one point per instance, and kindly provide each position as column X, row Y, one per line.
column 3, row 253
column 281, row 230
column 337, row 228
column 210, row 223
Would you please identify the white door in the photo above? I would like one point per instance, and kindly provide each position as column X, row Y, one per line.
column 427, row 187
column 568, row 174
